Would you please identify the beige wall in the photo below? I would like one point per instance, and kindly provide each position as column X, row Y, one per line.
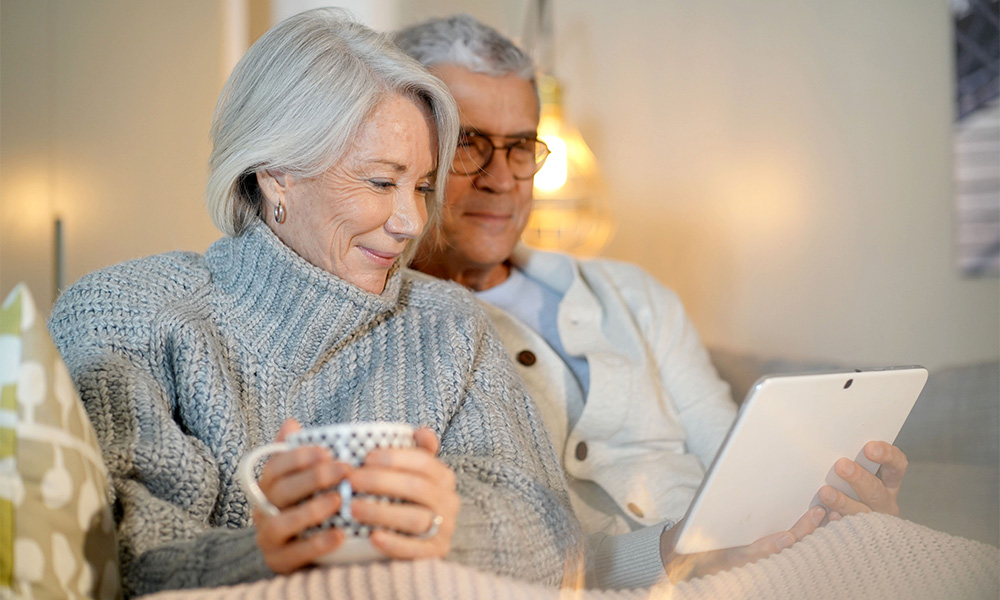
column 104, row 119
column 784, row 165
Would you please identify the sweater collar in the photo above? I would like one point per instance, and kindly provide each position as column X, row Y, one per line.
column 287, row 308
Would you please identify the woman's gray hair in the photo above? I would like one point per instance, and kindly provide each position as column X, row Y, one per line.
column 298, row 98
column 464, row 41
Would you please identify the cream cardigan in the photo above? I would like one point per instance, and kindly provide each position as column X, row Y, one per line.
column 655, row 415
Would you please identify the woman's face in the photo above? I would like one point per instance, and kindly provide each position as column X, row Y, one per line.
column 355, row 219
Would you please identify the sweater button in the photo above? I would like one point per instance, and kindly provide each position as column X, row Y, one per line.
column 526, row 357
column 581, row 451
column 632, row 506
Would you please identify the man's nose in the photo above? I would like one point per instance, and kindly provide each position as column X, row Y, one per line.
column 496, row 176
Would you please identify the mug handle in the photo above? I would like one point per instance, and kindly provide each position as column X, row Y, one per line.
column 248, row 478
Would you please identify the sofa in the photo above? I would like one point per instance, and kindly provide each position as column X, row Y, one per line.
column 57, row 530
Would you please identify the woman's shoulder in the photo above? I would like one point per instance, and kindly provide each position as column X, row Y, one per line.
column 134, row 288
column 147, row 277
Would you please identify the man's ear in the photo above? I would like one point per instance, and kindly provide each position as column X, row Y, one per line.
column 273, row 184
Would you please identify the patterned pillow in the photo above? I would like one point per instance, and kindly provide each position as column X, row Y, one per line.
column 56, row 530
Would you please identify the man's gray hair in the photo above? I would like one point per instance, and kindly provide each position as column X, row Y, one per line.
column 296, row 101
column 465, row 42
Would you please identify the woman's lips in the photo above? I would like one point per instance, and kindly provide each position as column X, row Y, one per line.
column 384, row 259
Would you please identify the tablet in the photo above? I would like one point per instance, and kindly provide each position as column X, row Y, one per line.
column 788, row 434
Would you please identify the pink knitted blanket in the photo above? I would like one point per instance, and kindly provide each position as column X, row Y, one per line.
column 866, row 556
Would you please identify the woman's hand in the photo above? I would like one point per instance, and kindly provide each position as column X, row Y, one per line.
column 290, row 480
column 417, row 476
column 681, row 567
column 875, row 494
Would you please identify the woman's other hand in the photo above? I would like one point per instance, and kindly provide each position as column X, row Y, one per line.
column 681, row 567
column 875, row 493
column 296, row 482
column 427, row 485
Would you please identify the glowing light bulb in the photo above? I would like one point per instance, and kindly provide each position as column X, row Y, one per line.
column 553, row 173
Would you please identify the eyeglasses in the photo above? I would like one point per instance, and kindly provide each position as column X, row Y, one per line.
column 525, row 156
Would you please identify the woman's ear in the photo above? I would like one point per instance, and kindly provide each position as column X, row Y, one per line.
column 272, row 184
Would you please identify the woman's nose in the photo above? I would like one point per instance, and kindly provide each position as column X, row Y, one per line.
column 408, row 217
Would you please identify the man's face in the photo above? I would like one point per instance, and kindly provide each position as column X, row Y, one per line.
column 485, row 213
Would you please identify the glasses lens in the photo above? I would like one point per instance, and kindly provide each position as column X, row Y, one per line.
column 541, row 153
column 472, row 154
column 474, row 151
column 521, row 157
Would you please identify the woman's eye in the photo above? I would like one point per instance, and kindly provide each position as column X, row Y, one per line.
column 382, row 184
column 425, row 189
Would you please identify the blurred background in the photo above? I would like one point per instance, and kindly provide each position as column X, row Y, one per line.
column 786, row 166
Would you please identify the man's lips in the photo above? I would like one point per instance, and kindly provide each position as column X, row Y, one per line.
column 487, row 216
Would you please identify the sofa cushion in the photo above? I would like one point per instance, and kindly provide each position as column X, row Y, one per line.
column 56, row 530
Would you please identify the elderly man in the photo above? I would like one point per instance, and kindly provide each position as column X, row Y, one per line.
column 633, row 405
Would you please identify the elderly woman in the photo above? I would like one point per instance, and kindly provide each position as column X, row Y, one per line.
column 327, row 143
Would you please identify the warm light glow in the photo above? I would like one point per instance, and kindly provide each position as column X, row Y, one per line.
column 553, row 174
column 571, row 208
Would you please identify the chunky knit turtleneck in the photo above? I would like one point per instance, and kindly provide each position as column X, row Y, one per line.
column 185, row 362
column 279, row 300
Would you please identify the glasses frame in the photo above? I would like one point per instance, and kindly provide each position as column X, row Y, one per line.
column 539, row 162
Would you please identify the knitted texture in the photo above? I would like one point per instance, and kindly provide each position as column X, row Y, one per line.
column 867, row 556
column 186, row 362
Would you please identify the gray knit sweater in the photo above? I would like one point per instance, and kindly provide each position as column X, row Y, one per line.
column 185, row 362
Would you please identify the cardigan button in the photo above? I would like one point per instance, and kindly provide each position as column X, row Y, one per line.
column 632, row 506
column 526, row 357
column 581, row 451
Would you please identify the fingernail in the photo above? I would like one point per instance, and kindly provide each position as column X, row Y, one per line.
column 818, row 513
column 827, row 495
column 785, row 541
column 876, row 451
column 847, row 467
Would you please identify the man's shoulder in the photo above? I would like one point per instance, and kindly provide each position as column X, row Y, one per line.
column 621, row 273
column 525, row 257
column 615, row 267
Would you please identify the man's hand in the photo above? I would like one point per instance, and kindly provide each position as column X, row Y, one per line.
column 680, row 567
column 875, row 493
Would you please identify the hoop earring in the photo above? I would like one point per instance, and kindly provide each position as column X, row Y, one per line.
column 279, row 213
